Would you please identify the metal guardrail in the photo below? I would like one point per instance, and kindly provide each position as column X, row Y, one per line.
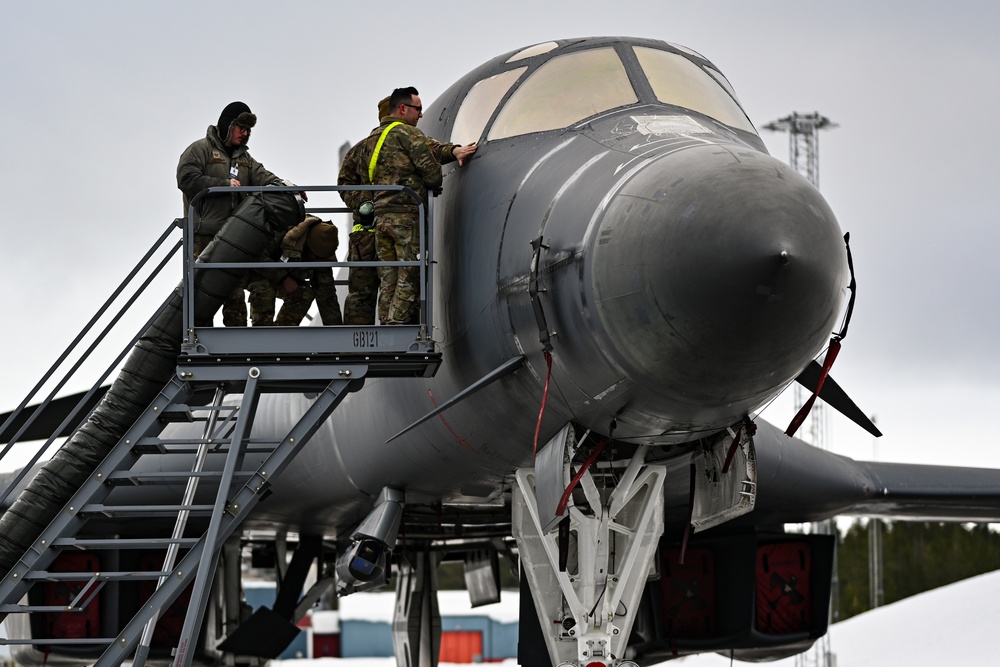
column 329, row 339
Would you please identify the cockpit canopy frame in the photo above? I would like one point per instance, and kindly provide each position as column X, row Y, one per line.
column 555, row 85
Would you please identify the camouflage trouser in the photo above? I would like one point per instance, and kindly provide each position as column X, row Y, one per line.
column 397, row 239
column 234, row 308
column 362, row 283
column 323, row 288
column 263, row 292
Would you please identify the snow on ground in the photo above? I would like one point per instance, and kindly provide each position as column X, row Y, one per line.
column 952, row 625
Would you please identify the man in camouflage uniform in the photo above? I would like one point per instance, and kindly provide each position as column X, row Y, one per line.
column 404, row 157
column 221, row 159
column 312, row 240
column 265, row 284
column 362, row 281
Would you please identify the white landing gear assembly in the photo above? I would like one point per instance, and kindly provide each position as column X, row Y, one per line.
column 586, row 562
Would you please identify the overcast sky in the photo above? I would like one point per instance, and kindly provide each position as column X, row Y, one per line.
column 99, row 98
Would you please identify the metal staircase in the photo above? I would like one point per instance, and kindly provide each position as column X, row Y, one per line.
column 202, row 505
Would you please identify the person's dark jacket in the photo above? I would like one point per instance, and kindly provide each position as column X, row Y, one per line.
column 206, row 163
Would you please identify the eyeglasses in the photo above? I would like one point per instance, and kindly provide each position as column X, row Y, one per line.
column 413, row 106
column 241, row 128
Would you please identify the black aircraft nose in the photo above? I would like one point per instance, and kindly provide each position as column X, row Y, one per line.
column 718, row 274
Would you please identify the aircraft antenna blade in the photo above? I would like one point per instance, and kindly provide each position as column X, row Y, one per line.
column 504, row 369
column 834, row 396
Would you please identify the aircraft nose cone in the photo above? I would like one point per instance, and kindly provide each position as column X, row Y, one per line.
column 718, row 275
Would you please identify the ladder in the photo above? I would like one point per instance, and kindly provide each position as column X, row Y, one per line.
column 238, row 492
column 327, row 362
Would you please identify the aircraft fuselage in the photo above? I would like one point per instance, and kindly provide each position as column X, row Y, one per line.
column 682, row 278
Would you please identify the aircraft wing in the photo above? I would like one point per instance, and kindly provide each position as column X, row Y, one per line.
column 53, row 414
column 929, row 492
column 800, row 483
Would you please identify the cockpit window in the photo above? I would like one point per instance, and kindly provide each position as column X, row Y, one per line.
column 535, row 50
column 563, row 91
column 676, row 80
column 687, row 50
column 479, row 104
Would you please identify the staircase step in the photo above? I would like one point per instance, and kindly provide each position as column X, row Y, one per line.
column 191, row 447
column 126, row 477
column 146, row 510
column 106, row 641
column 99, row 576
column 124, row 543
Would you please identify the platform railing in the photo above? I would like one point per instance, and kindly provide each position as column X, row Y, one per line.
column 330, row 339
column 410, row 343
